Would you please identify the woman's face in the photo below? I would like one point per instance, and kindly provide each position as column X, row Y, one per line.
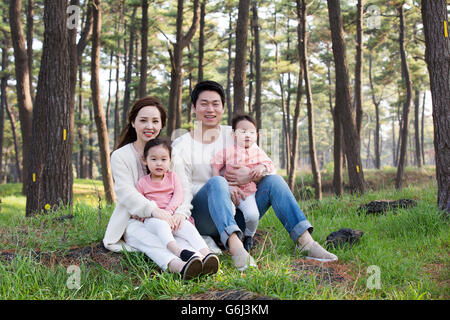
column 147, row 124
column 209, row 109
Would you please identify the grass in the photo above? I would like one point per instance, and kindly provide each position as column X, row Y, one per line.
column 409, row 248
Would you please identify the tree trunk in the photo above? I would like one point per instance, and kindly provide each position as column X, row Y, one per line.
column 176, row 58
column 201, row 41
column 24, row 100
column 343, row 100
column 422, row 128
column 144, row 49
column 416, row 128
column 99, row 115
column 258, row 78
column 229, row 66
column 3, row 95
column 358, row 65
column 309, row 105
column 437, row 56
column 407, row 104
column 240, row 69
column 50, row 177
column 129, row 71
column 15, row 139
column 377, row 119
column 30, row 27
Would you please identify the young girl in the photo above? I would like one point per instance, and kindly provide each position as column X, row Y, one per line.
column 164, row 187
column 245, row 152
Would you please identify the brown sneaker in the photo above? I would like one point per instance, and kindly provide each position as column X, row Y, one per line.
column 192, row 268
column 210, row 264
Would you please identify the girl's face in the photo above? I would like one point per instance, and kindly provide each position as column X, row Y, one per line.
column 158, row 161
column 245, row 134
column 147, row 124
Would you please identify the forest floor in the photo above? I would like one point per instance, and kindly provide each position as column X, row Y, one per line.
column 403, row 254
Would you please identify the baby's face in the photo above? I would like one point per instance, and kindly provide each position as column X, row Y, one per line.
column 245, row 133
column 158, row 160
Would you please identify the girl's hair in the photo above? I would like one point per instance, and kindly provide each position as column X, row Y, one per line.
column 128, row 134
column 240, row 117
column 157, row 142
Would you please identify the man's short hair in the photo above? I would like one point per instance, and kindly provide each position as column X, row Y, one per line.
column 207, row 85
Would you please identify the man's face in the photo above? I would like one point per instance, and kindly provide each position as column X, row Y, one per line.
column 209, row 109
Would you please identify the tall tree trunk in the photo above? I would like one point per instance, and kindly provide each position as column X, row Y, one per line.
column 240, row 69
column 99, row 115
column 416, row 128
column 407, row 104
column 30, row 28
column 129, row 71
column 358, row 65
column 343, row 99
column 24, row 100
column 201, row 41
column 229, row 66
column 258, row 78
column 437, row 56
column 309, row 105
column 144, row 49
column 15, row 139
column 377, row 119
column 176, row 57
column 3, row 94
column 50, row 177
column 295, row 133
column 108, row 102
column 422, row 128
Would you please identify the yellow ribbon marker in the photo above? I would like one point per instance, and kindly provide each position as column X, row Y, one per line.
column 445, row 29
column 357, row 169
column 47, row 207
column 64, row 134
column 34, row 177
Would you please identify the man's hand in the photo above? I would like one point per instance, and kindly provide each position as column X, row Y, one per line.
column 238, row 175
column 236, row 195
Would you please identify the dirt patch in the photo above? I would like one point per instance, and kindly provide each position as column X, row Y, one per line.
column 325, row 273
column 93, row 253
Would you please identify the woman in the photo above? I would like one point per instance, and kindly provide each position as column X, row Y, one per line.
column 212, row 198
column 145, row 121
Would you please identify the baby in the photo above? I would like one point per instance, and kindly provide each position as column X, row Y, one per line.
column 245, row 152
column 164, row 187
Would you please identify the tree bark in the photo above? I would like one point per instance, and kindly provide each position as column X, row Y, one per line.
column 416, row 128
column 343, row 99
column 50, row 177
column 15, row 139
column 358, row 65
column 30, row 28
column 258, row 78
column 24, row 100
column 240, row 69
column 407, row 104
column 309, row 105
column 99, row 115
column 377, row 119
column 176, row 57
column 201, row 41
column 129, row 70
column 144, row 49
column 437, row 56
column 229, row 67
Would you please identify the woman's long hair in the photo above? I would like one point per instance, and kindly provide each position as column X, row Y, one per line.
column 128, row 134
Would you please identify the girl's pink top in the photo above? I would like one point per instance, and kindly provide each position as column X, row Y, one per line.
column 249, row 157
column 168, row 193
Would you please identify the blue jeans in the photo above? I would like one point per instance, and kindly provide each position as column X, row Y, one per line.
column 214, row 216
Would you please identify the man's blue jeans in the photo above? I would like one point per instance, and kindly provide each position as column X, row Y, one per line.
column 214, row 216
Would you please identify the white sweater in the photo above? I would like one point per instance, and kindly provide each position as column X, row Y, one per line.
column 195, row 160
column 130, row 202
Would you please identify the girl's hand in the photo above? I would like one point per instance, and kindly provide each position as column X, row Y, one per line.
column 257, row 172
column 236, row 195
column 164, row 215
column 178, row 219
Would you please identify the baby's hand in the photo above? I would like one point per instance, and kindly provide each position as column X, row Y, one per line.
column 257, row 172
column 164, row 215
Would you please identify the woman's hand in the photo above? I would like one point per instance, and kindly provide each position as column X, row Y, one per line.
column 238, row 175
column 236, row 195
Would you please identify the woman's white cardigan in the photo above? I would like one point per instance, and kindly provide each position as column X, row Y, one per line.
column 130, row 202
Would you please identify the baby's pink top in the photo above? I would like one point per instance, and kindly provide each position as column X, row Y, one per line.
column 168, row 193
column 250, row 157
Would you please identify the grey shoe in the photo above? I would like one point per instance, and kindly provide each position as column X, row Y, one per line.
column 314, row 251
column 244, row 261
